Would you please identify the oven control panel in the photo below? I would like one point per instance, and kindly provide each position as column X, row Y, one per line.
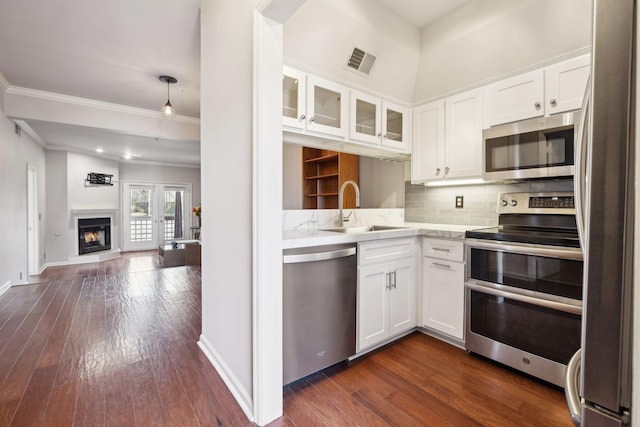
column 539, row 203
column 557, row 202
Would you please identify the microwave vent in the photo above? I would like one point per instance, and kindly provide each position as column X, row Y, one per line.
column 361, row 61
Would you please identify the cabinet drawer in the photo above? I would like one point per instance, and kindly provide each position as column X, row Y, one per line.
column 452, row 250
column 385, row 250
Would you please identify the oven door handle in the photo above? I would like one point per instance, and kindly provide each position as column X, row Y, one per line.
column 553, row 305
column 546, row 251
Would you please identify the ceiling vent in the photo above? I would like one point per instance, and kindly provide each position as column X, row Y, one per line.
column 361, row 61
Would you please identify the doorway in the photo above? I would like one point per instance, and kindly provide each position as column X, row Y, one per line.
column 33, row 246
column 155, row 214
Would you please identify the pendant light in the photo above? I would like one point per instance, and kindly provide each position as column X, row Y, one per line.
column 168, row 110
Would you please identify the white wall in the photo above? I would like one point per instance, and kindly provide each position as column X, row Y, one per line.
column 66, row 176
column 226, row 163
column 321, row 35
column 381, row 183
column 163, row 174
column 60, row 237
column 291, row 176
column 80, row 196
column 487, row 39
column 15, row 153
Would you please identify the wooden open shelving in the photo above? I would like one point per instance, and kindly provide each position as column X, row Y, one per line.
column 323, row 173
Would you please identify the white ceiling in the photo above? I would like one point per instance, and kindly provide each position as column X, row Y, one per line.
column 420, row 13
column 113, row 51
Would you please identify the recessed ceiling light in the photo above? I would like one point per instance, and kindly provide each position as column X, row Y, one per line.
column 127, row 156
column 99, row 150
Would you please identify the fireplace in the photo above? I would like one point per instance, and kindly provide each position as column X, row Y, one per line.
column 94, row 235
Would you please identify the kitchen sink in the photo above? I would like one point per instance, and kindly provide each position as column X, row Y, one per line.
column 363, row 228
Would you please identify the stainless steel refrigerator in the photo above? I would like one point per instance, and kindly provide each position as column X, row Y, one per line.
column 598, row 380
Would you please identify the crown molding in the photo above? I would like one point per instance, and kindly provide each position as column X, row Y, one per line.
column 4, row 83
column 32, row 133
column 91, row 153
column 91, row 103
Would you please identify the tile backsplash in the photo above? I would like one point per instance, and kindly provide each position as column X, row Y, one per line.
column 437, row 204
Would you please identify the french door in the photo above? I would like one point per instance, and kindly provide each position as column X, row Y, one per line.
column 155, row 214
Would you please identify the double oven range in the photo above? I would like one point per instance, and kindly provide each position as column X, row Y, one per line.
column 524, row 285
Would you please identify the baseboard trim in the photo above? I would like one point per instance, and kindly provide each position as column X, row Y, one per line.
column 233, row 384
column 442, row 337
column 56, row 264
column 94, row 257
column 4, row 288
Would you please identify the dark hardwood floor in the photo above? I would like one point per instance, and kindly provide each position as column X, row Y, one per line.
column 114, row 344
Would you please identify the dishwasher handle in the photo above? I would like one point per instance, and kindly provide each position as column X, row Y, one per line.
column 318, row 256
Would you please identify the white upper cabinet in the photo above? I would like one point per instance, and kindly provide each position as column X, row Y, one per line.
column 365, row 124
column 294, row 87
column 565, row 84
column 378, row 122
column 447, row 138
column 327, row 104
column 517, row 98
column 396, row 127
column 313, row 104
column 463, row 135
column 427, row 155
column 554, row 89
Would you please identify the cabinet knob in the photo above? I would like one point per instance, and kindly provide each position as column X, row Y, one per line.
column 386, row 135
column 380, row 134
column 438, row 172
column 312, row 119
column 302, row 116
column 553, row 102
column 537, row 105
column 446, row 171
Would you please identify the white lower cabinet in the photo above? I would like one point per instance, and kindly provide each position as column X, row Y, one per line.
column 387, row 272
column 443, row 286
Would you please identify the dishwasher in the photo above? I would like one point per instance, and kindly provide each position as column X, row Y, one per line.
column 319, row 308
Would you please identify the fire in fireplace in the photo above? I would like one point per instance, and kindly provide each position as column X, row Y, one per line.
column 94, row 235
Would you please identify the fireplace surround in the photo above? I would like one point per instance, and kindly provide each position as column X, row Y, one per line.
column 94, row 235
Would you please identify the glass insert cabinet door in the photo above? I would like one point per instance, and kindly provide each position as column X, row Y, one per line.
column 294, row 84
column 326, row 107
column 378, row 122
column 365, row 118
column 395, row 126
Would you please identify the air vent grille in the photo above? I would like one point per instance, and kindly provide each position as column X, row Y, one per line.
column 361, row 61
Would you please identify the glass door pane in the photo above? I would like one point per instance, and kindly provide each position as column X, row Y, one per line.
column 327, row 107
column 289, row 97
column 141, row 209
column 394, row 125
column 174, row 212
column 140, row 217
column 366, row 118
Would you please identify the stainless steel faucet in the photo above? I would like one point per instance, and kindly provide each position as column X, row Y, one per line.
column 341, row 197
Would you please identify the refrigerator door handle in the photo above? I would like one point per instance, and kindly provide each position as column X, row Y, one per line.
column 571, row 388
column 581, row 164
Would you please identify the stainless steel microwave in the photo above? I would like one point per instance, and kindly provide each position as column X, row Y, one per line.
column 534, row 148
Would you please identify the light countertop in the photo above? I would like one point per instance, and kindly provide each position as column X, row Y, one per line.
column 305, row 237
